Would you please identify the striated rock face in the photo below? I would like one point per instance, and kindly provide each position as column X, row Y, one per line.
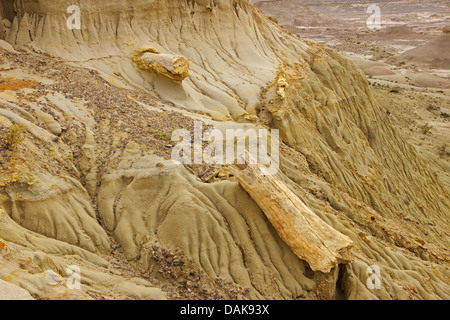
column 93, row 167
column 228, row 68
column 9, row 291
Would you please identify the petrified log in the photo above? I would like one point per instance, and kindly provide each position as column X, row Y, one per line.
column 171, row 66
column 309, row 237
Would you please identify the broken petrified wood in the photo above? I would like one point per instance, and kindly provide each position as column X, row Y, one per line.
column 172, row 66
column 308, row 236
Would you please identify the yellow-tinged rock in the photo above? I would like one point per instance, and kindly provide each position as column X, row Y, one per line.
column 308, row 236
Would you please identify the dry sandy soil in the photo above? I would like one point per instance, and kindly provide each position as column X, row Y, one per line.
column 410, row 44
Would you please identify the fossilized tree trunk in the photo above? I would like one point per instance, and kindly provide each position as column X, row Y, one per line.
column 171, row 66
column 309, row 237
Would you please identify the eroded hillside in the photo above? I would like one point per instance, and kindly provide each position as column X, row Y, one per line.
column 92, row 183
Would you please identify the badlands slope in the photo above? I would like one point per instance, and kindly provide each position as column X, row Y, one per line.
column 92, row 183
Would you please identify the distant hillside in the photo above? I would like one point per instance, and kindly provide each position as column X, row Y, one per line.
column 434, row 53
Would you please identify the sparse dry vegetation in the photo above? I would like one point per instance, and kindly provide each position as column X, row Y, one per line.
column 426, row 128
column 13, row 137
